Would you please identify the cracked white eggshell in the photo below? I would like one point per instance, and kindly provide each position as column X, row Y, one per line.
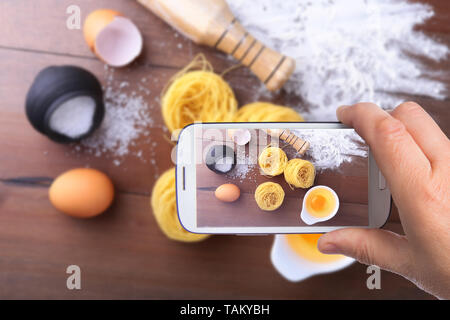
column 240, row 136
column 119, row 43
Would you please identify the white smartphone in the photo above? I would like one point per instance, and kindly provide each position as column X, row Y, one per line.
column 348, row 189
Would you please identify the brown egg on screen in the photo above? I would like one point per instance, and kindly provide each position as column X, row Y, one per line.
column 227, row 192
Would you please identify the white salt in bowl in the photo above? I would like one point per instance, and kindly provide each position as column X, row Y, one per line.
column 74, row 117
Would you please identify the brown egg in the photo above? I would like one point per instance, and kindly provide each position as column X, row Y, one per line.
column 227, row 192
column 82, row 193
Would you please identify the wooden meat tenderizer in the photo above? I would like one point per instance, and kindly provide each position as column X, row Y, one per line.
column 295, row 141
column 211, row 23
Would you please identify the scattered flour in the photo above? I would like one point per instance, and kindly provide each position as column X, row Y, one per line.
column 330, row 148
column 240, row 172
column 348, row 51
column 127, row 118
column 245, row 161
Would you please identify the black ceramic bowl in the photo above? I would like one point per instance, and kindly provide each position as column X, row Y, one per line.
column 55, row 85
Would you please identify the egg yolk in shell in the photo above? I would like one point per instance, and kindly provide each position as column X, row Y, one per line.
column 305, row 245
column 320, row 203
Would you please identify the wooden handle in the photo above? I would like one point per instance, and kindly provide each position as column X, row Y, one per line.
column 211, row 23
column 291, row 138
column 271, row 67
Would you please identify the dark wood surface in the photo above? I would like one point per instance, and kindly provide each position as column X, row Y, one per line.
column 122, row 253
column 349, row 181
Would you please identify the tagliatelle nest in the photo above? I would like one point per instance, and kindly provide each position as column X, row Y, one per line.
column 196, row 93
column 164, row 207
column 269, row 196
column 272, row 161
column 299, row 173
column 266, row 112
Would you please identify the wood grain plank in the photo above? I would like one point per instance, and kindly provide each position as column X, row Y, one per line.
column 123, row 254
column 245, row 213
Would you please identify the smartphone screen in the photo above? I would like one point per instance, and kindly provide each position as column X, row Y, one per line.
column 329, row 187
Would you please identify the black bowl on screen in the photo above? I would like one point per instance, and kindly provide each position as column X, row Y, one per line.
column 221, row 159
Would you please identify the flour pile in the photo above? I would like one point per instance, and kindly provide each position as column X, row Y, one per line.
column 348, row 50
column 329, row 148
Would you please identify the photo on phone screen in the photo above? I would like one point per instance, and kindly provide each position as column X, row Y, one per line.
column 286, row 177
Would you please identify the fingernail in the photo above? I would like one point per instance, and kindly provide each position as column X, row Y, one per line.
column 328, row 248
column 343, row 107
column 326, row 244
column 340, row 109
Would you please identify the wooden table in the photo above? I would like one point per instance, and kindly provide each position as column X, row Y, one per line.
column 123, row 254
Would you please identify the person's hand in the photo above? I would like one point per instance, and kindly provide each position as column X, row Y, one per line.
column 414, row 156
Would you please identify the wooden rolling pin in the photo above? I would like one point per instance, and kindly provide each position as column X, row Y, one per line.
column 211, row 23
column 295, row 141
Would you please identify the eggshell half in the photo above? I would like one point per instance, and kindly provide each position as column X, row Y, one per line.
column 119, row 43
column 95, row 22
column 82, row 193
column 240, row 136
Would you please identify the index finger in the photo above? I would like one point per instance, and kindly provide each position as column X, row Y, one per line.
column 425, row 131
column 395, row 151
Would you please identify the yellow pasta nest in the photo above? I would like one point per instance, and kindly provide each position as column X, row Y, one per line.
column 164, row 207
column 269, row 196
column 266, row 112
column 196, row 93
column 272, row 161
column 300, row 173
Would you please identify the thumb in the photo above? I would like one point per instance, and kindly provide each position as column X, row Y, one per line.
column 383, row 248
